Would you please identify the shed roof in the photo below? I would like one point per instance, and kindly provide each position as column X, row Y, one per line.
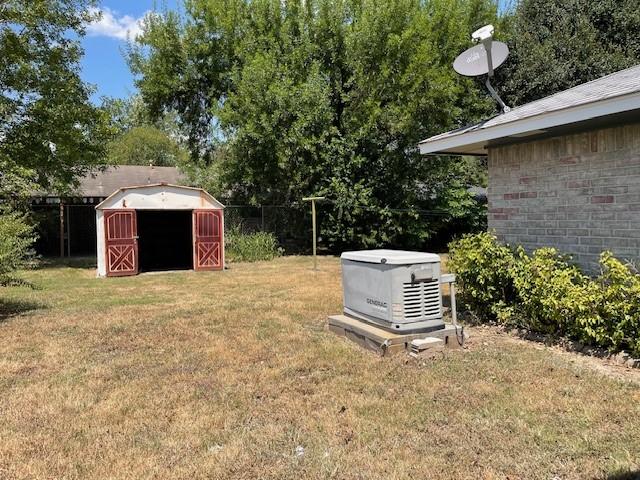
column 103, row 183
column 160, row 196
column 610, row 98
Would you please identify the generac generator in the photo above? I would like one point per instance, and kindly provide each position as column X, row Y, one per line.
column 394, row 289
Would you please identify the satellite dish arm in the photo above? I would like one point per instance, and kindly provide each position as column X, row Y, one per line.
column 487, row 46
column 495, row 96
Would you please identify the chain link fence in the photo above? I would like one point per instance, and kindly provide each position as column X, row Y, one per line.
column 291, row 225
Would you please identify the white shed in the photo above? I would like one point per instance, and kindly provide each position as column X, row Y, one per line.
column 159, row 227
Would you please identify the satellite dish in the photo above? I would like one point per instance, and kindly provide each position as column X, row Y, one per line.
column 473, row 61
column 482, row 59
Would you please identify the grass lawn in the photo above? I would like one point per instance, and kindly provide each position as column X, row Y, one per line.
column 225, row 375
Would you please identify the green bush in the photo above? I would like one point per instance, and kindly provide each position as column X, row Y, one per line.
column 16, row 241
column 552, row 295
column 620, row 306
column 546, row 293
column 250, row 247
column 483, row 270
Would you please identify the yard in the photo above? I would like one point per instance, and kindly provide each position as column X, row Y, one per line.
column 233, row 375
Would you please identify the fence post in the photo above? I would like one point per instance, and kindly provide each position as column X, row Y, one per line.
column 68, row 218
column 61, row 207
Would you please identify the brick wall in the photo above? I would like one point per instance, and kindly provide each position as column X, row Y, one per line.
column 579, row 193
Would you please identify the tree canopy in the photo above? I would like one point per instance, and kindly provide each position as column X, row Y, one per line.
column 326, row 97
column 557, row 44
column 331, row 97
column 139, row 140
column 145, row 145
column 49, row 131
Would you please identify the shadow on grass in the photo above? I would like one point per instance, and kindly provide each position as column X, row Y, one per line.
column 68, row 262
column 11, row 308
column 627, row 475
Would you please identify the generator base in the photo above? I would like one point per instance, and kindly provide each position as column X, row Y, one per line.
column 384, row 342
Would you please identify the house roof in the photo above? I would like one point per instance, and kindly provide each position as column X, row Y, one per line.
column 610, row 98
column 103, row 183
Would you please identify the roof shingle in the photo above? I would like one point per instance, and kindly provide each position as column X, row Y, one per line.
column 103, row 183
column 614, row 85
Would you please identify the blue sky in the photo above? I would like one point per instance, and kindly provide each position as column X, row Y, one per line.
column 103, row 64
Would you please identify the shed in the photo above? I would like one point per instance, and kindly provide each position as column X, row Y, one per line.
column 564, row 171
column 159, row 227
column 67, row 221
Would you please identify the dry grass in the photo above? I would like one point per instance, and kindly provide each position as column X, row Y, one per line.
column 223, row 375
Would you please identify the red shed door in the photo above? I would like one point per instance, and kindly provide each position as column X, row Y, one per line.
column 121, row 242
column 207, row 240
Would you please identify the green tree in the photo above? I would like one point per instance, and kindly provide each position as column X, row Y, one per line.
column 16, row 241
column 50, row 133
column 140, row 140
column 124, row 113
column 323, row 97
column 557, row 44
column 145, row 145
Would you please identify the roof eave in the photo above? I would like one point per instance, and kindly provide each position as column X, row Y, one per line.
column 455, row 144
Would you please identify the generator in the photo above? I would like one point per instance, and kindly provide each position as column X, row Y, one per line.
column 394, row 289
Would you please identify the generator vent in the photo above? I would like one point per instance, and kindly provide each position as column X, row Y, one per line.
column 421, row 299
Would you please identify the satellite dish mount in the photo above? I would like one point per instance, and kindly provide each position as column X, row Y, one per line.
column 483, row 59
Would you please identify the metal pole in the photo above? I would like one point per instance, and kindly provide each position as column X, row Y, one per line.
column 494, row 94
column 68, row 232
column 313, row 219
column 313, row 215
column 61, row 229
column 454, row 312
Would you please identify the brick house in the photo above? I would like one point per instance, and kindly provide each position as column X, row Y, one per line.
column 564, row 171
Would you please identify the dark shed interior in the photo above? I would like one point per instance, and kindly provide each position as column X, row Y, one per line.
column 165, row 240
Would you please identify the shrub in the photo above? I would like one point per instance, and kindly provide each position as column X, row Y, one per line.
column 545, row 293
column 620, row 307
column 483, row 269
column 250, row 247
column 552, row 295
column 16, row 240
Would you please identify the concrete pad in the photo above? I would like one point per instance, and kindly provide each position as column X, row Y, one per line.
column 385, row 342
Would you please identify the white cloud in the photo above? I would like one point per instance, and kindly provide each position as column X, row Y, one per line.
column 110, row 24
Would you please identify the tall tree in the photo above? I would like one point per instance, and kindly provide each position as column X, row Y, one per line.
column 557, row 44
column 145, row 145
column 321, row 97
column 50, row 133
column 139, row 140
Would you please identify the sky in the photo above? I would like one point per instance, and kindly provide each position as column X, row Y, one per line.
column 103, row 64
